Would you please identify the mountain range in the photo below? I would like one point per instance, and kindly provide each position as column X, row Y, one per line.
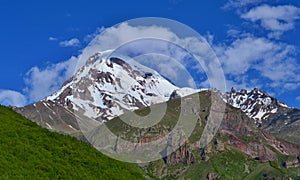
column 259, row 129
column 101, row 90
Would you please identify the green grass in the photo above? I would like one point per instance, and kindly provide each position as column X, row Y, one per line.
column 29, row 151
column 231, row 165
column 228, row 163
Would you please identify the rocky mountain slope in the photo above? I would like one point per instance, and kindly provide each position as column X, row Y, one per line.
column 256, row 103
column 267, row 112
column 105, row 87
column 240, row 149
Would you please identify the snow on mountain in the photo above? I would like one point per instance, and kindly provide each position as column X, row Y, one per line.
column 107, row 87
column 256, row 103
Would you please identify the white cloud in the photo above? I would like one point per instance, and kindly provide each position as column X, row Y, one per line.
column 234, row 33
column 41, row 82
column 169, row 68
column 52, row 39
column 12, row 98
column 88, row 38
column 298, row 98
column 241, row 3
column 269, row 62
column 114, row 37
column 267, row 59
column 238, row 57
column 70, row 43
column 117, row 36
column 277, row 19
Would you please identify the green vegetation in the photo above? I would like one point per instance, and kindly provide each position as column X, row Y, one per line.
column 29, row 151
column 228, row 162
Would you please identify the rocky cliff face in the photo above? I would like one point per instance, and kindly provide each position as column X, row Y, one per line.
column 267, row 113
column 292, row 163
column 237, row 132
column 251, row 140
column 183, row 155
column 256, row 103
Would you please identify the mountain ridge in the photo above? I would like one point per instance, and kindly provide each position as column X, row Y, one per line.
column 107, row 88
column 237, row 134
column 267, row 112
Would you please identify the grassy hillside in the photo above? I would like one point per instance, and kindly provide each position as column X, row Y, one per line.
column 223, row 159
column 27, row 150
column 227, row 164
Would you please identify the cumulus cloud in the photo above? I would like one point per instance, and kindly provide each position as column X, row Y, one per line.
column 169, row 68
column 265, row 58
column 70, row 43
column 12, row 98
column 41, row 82
column 147, row 41
column 277, row 19
column 88, row 38
column 113, row 37
column 261, row 60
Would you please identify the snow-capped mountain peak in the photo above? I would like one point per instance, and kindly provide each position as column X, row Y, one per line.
column 107, row 87
column 256, row 103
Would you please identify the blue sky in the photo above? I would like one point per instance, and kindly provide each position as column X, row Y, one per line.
column 255, row 40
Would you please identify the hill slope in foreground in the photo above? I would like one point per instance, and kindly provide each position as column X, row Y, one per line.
column 27, row 150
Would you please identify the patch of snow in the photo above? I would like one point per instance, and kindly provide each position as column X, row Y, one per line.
column 283, row 105
column 48, row 126
column 55, row 95
column 153, row 89
column 72, row 127
column 267, row 101
column 259, row 115
column 274, row 110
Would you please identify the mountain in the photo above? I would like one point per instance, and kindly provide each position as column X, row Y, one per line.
column 267, row 112
column 256, row 103
column 108, row 89
column 104, row 88
column 29, row 151
column 239, row 149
